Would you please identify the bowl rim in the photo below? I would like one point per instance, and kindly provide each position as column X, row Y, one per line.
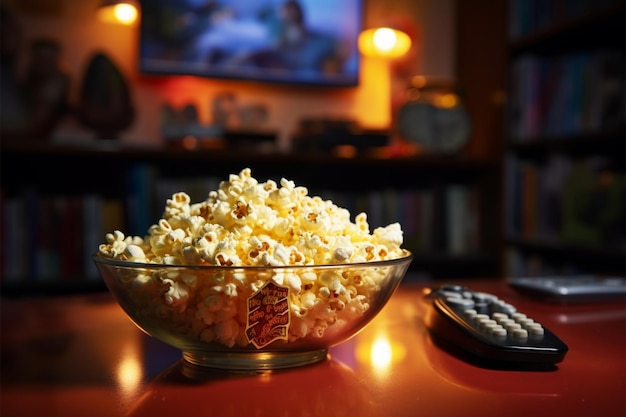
column 99, row 259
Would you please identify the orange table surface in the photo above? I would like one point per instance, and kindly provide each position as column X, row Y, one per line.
column 81, row 356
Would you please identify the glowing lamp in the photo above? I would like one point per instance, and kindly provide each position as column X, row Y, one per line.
column 384, row 43
column 119, row 12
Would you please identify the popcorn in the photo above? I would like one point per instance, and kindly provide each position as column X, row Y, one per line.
column 248, row 223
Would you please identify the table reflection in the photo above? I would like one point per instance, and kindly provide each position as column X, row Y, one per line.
column 329, row 388
column 335, row 386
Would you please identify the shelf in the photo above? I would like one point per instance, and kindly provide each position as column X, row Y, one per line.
column 52, row 288
column 566, row 148
column 600, row 259
column 590, row 29
column 446, row 266
column 613, row 143
column 303, row 168
column 158, row 154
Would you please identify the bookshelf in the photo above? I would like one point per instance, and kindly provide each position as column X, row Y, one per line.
column 564, row 158
column 54, row 216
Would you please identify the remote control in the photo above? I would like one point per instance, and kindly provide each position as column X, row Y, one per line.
column 490, row 328
column 579, row 288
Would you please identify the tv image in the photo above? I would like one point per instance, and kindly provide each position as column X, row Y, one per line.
column 299, row 41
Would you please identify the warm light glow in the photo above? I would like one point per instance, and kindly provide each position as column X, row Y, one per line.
column 129, row 372
column 418, row 81
column 345, row 151
column 384, row 42
column 122, row 13
column 447, row 101
column 384, row 39
column 381, row 353
column 434, row 90
column 125, row 13
column 190, row 142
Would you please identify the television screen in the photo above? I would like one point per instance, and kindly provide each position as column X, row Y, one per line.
column 298, row 41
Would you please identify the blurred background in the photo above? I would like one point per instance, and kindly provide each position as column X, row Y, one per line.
column 493, row 131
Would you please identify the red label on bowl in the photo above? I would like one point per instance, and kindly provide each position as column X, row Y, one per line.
column 268, row 315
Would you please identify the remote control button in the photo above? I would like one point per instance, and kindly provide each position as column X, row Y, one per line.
column 499, row 316
column 458, row 302
column 470, row 312
column 503, row 307
column 535, row 330
column 512, row 326
column 480, row 317
column 526, row 322
column 518, row 316
column 520, row 334
column 482, row 296
column 486, row 323
column 482, row 307
column 450, row 294
column 499, row 332
column 452, row 288
column 506, row 321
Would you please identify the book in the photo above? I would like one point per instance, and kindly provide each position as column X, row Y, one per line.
column 461, row 204
column 46, row 248
column 13, row 251
column 93, row 233
column 71, row 238
column 140, row 204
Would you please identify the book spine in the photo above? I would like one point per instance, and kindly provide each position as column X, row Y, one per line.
column 93, row 233
column 139, row 199
column 71, row 239
column 462, row 204
column 13, row 239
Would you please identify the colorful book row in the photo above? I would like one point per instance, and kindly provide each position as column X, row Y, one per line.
column 45, row 238
column 580, row 202
column 566, row 95
column 52, row 238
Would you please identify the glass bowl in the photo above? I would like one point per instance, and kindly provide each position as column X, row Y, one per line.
column 252, row 317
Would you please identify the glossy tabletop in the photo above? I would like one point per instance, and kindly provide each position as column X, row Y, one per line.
column 81, row 356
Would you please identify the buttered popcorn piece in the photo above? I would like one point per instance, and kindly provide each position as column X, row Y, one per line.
column 248, row 223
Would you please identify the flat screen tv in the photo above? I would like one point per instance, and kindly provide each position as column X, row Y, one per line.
column 300, row 42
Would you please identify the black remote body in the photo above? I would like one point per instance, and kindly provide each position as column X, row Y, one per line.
column 485, row 326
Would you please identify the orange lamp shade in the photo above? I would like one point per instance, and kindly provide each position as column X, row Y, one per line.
column 384, row 43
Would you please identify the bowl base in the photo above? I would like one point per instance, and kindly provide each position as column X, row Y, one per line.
column 254, row 360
